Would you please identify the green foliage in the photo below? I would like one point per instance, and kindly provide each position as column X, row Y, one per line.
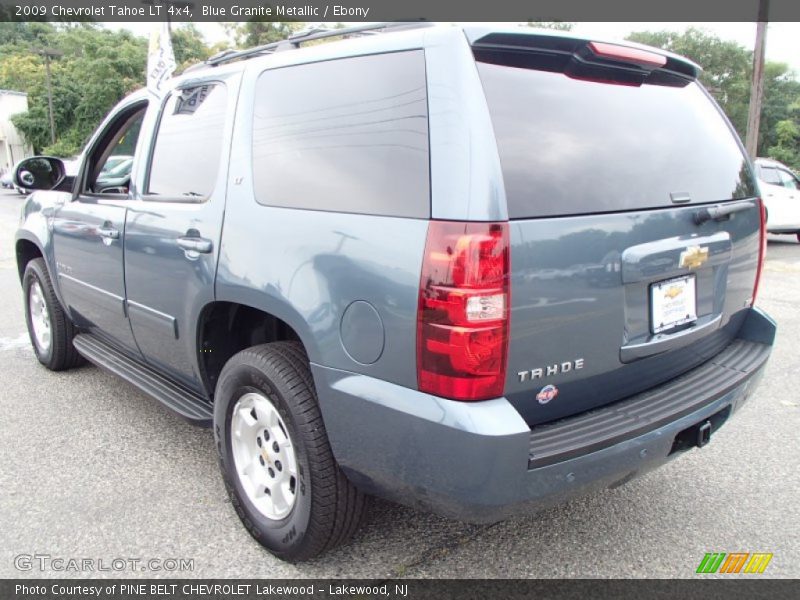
column 780, row 116
column 189, row 46
column 96, row 70
column 259, row 32
column 787, row 143
column 64, row 147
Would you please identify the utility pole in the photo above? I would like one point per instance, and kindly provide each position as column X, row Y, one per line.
column 47, row 53
column 757, row 86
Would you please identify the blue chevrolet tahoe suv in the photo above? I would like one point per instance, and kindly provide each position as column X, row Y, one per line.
column 472, row 270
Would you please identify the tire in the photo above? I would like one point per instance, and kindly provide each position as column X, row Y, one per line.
column 300, row 516
column 52, row 335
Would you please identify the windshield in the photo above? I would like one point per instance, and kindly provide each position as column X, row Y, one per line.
column 122, row 169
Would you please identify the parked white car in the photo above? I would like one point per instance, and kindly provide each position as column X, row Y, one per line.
column 780, row 188
column 6, row 181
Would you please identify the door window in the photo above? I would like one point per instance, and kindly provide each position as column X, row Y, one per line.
column 788, row 180
column 188, row 144
column 769, row 175
column 111, row 161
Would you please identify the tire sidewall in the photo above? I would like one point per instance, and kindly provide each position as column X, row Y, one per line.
column 280, row 536
column 33, row 274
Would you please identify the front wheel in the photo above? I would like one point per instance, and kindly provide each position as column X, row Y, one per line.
column 275, row 457
column 50, row 329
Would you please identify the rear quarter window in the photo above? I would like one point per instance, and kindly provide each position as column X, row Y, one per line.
column 347, row 135
column 569, row 146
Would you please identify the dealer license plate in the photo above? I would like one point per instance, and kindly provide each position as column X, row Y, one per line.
column 673, row 303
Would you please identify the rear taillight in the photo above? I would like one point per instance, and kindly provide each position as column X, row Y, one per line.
column 462, row 323
column 762, row 247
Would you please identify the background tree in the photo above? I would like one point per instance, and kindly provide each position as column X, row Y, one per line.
column 257, row 32
column 787, row 141
column 780, row 115
column 97, row 69
column 189, row 46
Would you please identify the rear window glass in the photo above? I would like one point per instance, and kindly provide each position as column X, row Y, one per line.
column 347, row 135
column 570, row 146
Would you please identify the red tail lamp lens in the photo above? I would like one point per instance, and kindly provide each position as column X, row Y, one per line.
column 462, row 323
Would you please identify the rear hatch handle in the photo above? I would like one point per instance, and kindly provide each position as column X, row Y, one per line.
column 720, row 212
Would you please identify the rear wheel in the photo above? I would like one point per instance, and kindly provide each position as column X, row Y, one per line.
column 275, row 457
column 50, row 329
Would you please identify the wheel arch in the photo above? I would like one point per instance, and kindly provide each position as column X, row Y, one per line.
column 27, row 247
column 27, row 250
column 224, row 328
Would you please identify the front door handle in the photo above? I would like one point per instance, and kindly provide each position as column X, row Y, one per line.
column 109, row 233
column 195, row 244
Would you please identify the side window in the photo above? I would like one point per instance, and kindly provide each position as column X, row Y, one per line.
column 346, row 135
column 111, row 161
column 188, row 144
column 770, row 175
column 788, row 180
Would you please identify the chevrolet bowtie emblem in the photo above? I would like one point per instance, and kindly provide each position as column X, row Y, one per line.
column 693, row 257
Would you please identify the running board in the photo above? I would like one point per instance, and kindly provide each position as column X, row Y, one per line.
column 186, row 403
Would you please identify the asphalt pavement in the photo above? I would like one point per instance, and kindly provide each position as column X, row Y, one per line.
column 93, row 469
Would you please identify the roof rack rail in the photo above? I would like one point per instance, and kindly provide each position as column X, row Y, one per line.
column 294, row 41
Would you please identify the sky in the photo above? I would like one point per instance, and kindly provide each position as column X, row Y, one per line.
column 783, row 39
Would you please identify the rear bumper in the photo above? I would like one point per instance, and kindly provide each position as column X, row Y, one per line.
column 480, row 462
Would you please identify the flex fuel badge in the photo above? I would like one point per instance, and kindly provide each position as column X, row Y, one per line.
column 546, row 394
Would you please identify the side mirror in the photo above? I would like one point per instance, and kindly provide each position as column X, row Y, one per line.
column 39, row 173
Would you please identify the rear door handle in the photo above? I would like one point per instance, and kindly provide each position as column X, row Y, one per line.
column 109, row 233
column 719, row 212
column 196, row 244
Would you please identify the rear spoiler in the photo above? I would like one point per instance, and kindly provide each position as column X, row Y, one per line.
column 626, row 62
